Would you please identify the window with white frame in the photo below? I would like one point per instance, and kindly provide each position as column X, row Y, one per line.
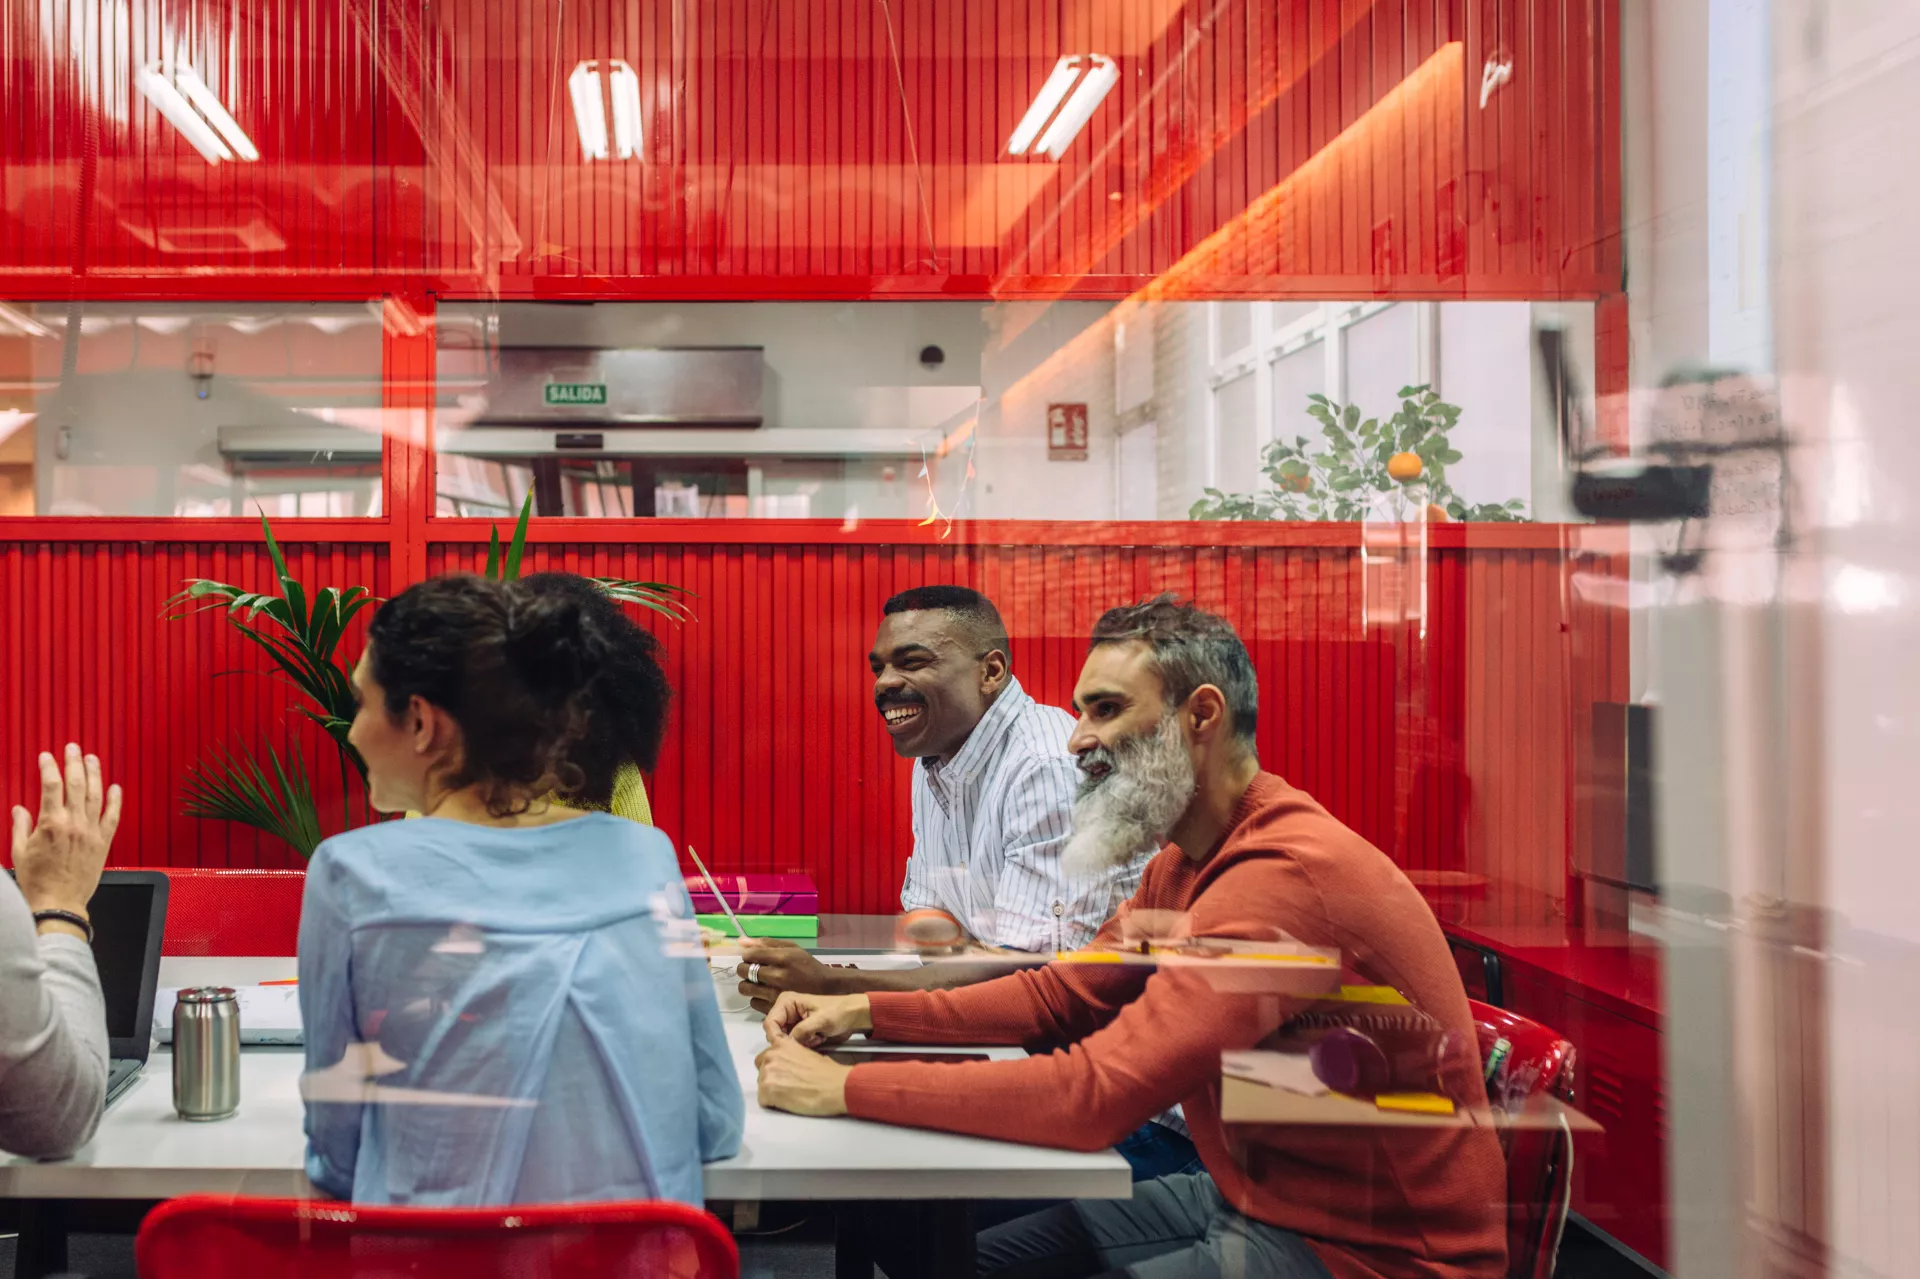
column 1267, row 358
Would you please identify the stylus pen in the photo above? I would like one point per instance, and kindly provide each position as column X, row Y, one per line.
column 714, row 888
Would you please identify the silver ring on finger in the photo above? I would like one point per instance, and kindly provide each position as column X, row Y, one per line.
column 753, row 974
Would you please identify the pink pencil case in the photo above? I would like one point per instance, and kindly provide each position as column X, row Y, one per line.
column 757, row 894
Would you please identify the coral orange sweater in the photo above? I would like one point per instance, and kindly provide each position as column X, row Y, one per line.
column 1384, row 1203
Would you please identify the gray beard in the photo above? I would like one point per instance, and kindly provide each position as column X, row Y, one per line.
column 1133, row 807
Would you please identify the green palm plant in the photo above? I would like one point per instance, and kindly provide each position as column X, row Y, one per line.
column 235, row 788
column 300, row 631
column 301, row 637
column 503, row 565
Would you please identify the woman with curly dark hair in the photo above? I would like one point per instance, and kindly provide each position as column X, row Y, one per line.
column 506, row 1001
column 627, row 716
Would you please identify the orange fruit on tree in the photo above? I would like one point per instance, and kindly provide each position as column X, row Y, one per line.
column 1297, row 483
column 1437, row 514
column 1404, row 467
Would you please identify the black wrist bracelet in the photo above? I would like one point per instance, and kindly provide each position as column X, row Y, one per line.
column 66, row 917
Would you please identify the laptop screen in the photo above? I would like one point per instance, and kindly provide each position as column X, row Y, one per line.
column 122, row 913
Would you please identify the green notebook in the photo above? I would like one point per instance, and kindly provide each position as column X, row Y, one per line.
column 766, row 925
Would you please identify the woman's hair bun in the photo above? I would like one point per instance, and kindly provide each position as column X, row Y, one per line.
column 627, row 710
column 548, row 644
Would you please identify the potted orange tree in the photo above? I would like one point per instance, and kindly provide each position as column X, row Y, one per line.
column 1362, row 466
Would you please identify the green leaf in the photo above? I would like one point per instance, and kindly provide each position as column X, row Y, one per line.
column 279, row 800
column 1449, row 456
column 493, row 555
column 661, row 597
column 292, row 612
column 510, row 572
column 273, row 550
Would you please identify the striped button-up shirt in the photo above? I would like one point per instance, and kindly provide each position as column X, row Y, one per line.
column 989, row 826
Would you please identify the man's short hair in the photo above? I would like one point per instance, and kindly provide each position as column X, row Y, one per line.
column 975, row 613
column 1190, row 647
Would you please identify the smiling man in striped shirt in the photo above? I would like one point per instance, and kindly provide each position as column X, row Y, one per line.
column 993, row 791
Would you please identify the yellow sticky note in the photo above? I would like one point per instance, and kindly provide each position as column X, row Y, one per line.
column 1089, row 957
column 1416, row 1103
column 1372, row 995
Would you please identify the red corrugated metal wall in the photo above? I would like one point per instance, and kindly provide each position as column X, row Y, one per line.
column 1432, row 747
column 87, row 654
column 829, row 148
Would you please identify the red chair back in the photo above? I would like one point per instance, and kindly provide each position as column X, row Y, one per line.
column 231, row 1237
column 232, row 912
column 1538, row 1142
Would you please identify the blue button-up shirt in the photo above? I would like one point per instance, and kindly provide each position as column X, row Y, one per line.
column 989, row 826
column 509, row 1016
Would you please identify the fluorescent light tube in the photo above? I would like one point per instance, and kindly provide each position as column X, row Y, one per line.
column 1065, row 72
column 179, row 113
column 589, row 116
column 1073, row 117
column 23, row 324
column 624, row 87
column 189, row 82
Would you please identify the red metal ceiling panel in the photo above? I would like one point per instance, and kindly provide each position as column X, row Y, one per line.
column 837, row 148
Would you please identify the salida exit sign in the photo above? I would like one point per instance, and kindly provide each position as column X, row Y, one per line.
column 576, row 392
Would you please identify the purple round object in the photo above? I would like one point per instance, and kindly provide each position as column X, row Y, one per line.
column 1349, row 1062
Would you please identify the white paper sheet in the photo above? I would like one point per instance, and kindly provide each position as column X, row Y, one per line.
column 1291, row 1071
column 268, row 1014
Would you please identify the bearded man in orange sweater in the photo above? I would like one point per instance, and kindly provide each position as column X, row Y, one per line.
column 1168, row 704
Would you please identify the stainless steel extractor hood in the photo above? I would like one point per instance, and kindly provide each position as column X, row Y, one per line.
column 705, row 386
column 316, row 445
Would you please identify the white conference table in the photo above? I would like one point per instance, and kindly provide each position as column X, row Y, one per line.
column 144, row 1152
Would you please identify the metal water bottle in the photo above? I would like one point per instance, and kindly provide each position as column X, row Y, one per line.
column 206, row 1053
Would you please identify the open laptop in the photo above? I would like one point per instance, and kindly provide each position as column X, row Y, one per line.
column 129, row 912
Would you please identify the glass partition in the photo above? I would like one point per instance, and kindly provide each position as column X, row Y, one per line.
column 190, row 409
column 1311, row 314
column 1069, row 410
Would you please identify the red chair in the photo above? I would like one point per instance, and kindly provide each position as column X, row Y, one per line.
column 1539, row 1152
column 231, row 1237
column 232, row 912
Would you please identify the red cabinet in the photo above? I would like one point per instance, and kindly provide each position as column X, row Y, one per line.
column 1620, row 1176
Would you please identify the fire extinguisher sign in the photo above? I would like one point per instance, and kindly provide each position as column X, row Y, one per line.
column 1066, row 432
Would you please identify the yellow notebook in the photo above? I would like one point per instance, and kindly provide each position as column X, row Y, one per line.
column 1415, row 1103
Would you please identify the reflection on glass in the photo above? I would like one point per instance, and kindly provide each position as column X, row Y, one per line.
column 801, row 410
column 183, row 409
